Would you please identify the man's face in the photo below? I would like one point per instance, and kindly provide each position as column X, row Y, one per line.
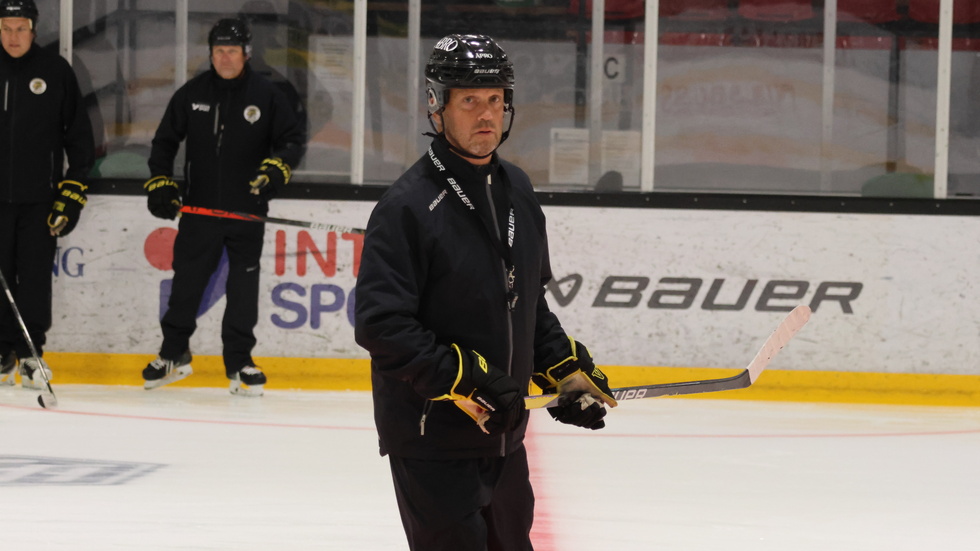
column 473, row 120
column 16, row 35
column 228, row 61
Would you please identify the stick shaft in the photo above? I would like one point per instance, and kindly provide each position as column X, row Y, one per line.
column 785, row 331
column 232, row 215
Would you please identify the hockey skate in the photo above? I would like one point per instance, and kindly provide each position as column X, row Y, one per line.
column 249, row 381
column 161, row 371
column 31, row 374
column 8, row 365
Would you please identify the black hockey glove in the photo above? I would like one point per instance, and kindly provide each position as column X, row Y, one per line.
column 163, row 197
column 273, row 173
column 67, row 207
column 579, row 408
column 583, row 386
column 488, row 395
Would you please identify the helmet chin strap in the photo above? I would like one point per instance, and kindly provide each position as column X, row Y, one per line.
column 467, row 154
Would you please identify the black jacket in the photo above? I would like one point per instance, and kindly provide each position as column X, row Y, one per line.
column 42, row 117
column 230, row 127
column 430, row 276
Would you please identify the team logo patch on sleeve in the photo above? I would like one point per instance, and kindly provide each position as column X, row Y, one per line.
column 38, row 86
column 252, row 114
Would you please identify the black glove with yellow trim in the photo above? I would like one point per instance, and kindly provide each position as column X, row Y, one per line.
column 488, row 395
column 583, row 387
column 67, row 207
column 163, row 197
column 273, row 173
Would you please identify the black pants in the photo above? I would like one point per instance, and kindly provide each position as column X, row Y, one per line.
column 483, row 504
column 26, row 256
column 197, row 250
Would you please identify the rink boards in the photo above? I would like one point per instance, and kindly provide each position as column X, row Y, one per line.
column 664, row 292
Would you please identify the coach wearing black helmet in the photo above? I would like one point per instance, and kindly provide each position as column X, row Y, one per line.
column 243, row 138
column 450, row 305
column 42, row 120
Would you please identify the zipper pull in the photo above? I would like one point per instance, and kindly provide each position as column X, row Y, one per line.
column 511, row 294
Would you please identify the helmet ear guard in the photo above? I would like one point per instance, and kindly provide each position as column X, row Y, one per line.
column 437, row 96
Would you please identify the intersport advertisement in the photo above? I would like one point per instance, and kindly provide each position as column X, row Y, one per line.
column 641, row 287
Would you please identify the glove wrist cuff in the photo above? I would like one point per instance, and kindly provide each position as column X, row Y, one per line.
column 554, row 376
column 73, row 183
column 278, row 163
column 158, row 182
column 464, row 386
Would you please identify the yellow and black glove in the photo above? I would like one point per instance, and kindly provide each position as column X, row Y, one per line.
column 67, row 207
column 273, row 173
column 163, row 197
column 583, row 387
column 488, row 395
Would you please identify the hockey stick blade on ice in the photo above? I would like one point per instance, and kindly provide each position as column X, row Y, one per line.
column 256, row 218
column 776, row 341
column 45, row 401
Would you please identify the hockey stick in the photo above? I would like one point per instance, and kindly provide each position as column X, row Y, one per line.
column 256, row 218
column 776, row 341
column 51, row 401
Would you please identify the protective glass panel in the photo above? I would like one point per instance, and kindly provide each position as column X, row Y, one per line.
column 745, row 99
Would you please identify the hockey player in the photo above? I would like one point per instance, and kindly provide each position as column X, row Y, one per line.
column 451, row 307
column 243, row 139
column 43, row 119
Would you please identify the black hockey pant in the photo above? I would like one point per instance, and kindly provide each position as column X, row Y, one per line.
column 26, row 256
column 483, row 504
column 197, row 250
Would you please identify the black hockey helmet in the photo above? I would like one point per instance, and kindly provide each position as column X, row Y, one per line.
column 467, row 61
column 19, row 8
column 231, row 32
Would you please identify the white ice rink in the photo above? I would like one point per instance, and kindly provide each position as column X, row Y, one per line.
column 198, row 469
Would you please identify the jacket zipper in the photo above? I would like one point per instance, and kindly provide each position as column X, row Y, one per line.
column 510, row 313
column 217, row 128
column 6, row 108
column 425, row 413
column 219, row 131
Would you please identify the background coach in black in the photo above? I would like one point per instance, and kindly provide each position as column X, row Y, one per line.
column 42, row 119
column 243, row 136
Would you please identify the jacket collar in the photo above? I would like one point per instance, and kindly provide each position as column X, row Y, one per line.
column 460, row 167
column 230, row 84
column 18, row 61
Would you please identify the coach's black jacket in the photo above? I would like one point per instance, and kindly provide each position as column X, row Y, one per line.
column 42, row 118
column 230, row 127
column 430, row 276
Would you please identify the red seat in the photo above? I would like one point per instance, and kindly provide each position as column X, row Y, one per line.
column 868, row 11
column 615, row 9
column 694, row 10
column 927, row 11
column 775, row 10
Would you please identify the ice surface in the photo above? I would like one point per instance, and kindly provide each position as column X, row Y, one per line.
column 117, row 467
